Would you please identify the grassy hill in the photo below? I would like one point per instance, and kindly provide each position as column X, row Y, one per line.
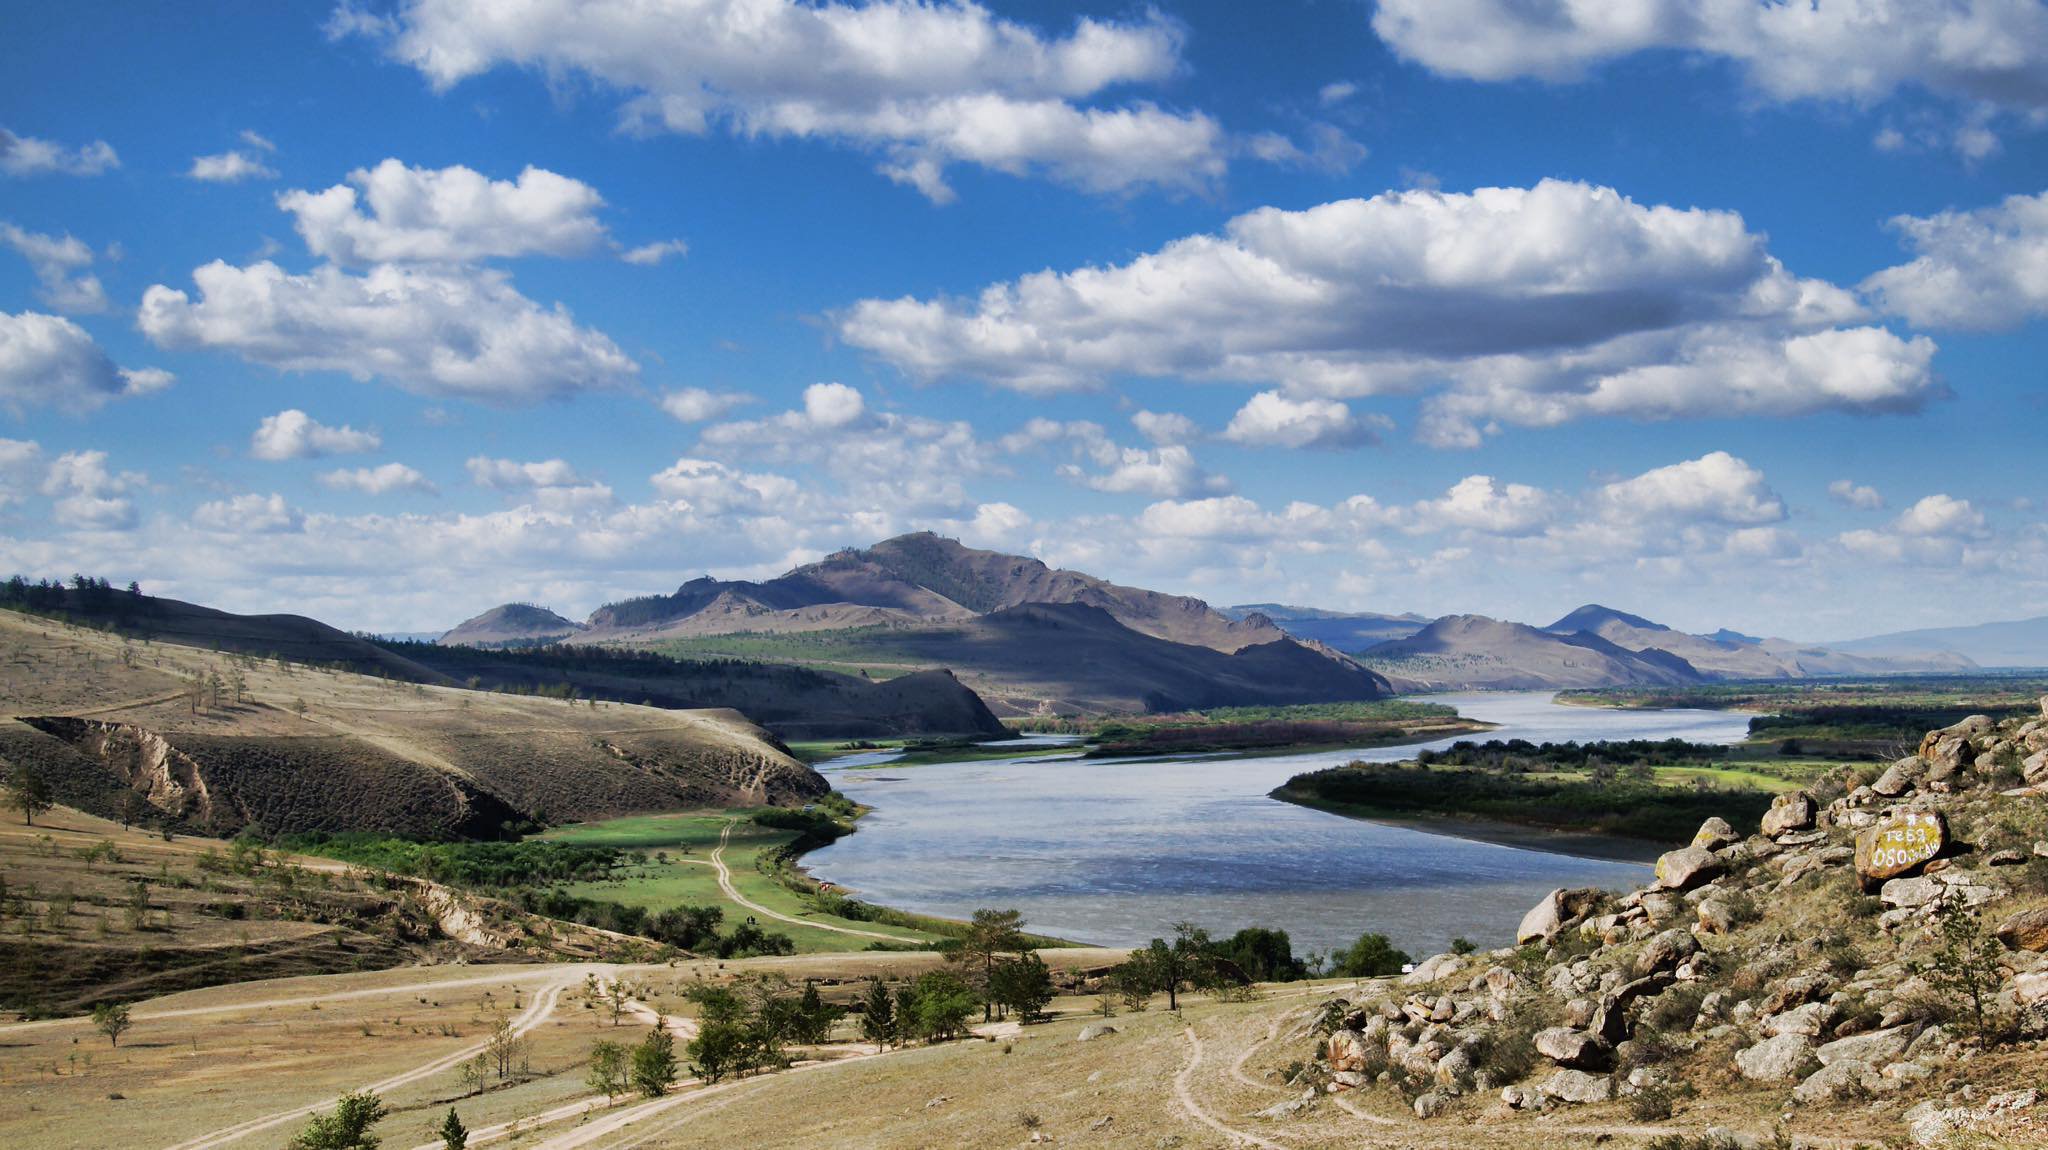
column 215, row 742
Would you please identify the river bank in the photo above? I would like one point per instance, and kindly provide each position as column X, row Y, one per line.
column 1113, row 853
column 1577, row 844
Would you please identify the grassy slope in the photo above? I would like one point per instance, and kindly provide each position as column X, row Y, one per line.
column 688, row 877
column 374, row 736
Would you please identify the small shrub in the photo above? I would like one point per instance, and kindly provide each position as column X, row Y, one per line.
column 1650, row 1104
column 1677, row 1008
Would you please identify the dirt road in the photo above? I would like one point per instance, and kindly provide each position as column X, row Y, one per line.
column 732, row 892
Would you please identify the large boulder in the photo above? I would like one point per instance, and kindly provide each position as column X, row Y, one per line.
column 2027, row 930
column 1786, row 1058
column 1431, row 969
column 1793, row 811
column 1714, row 834
column 1553, row 912
column 1793, row 991
column 1345, row 1050
column 1688, row 867
column 1900, row 777
column 1809, row 1020
column 1846, row 1078
column 2030, row 989
column 1948, row 749
column 1899, row 844
column 1876, row 1048
column 2034, row 768
column 1574, row 1049
column 1611, row 1021
column 1578, row 1086
column 1665, row 951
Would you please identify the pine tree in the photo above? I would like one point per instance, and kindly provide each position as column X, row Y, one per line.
column 878, row 1017
column 454, row 1135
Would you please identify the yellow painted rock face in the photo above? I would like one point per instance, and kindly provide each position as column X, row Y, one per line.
column 1899, row 845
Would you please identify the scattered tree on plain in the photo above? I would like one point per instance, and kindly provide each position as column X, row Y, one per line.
column 878, row 1015
column 111, row 1019
column 1023, row 985
column 454, row 1135
column 607, row 1069
column 346, row 1128
column 1372, row 956
column 654, row 1061
column 990, row 935
column 28, row 792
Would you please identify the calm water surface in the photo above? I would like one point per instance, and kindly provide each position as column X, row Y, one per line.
column 1111, row 852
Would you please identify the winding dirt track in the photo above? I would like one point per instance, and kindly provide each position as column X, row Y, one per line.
column 537, row 1012
column 1186, row 1098
column 732, row 892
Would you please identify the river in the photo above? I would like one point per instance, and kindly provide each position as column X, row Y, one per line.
column 1113, row 852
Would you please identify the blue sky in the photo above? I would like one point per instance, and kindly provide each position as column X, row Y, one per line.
column 1460, row 306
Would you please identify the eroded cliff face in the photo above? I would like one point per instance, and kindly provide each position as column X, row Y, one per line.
column 466, row 785
column 143, row 760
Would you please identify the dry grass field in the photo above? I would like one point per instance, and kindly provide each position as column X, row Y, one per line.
column 242, row 1065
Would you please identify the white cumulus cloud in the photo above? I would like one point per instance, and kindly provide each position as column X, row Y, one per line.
column 696, row 405
column 256, row 514
column 1273, row 419
column 229, row 167
column 1979, row 270
column 1532, row 306
column 379, row 480
column 445, row 215
column 48, row 361
column 292, row 434
column 463, row 332
column 1858, row 50
column 27, row 156
column 1849, row 493
column 1717, row 486
column 61, row 266
column 925, row 85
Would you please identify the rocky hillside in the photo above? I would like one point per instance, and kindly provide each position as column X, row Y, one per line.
column 1074, row 658
column 1597, row 646
column 213, row 743
column 914, row 578
column 1878, row 945
column 1727, row 655
column 1475, row 652
column 1025, row 636
column 1344, row 630
column 2017, row 643
column 510, row 625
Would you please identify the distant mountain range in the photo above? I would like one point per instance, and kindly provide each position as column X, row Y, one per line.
column 1344, row 630
column 1028, row 638
column 1025, row 636
column 1598, row 646
column 2020, row 643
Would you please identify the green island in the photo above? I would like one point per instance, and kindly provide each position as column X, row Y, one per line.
column 1627, row 799
column 1847, row 719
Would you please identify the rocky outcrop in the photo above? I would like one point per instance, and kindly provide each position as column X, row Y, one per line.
column 1754, row 955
